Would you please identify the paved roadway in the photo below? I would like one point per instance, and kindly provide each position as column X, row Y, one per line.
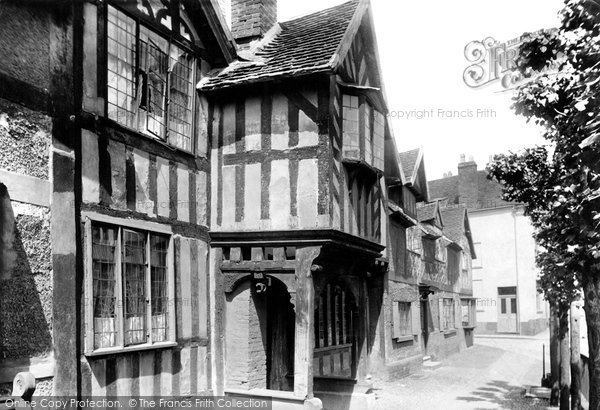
column 490, row 375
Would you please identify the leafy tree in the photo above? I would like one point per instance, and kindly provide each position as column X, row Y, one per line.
column 560, row 183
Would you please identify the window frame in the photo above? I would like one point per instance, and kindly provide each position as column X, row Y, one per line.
column 477, row 263
column 327, row 333
column 89, row 218
column 366, row 113
column 173, row 39
column 406, row 326
column 471, row 306
column 448, row 303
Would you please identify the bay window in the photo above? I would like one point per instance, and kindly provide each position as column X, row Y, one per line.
column 453, row 265
column 363, row 131
column 129, row 287
column 150, row 81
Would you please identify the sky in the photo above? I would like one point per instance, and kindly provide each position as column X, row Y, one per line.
column 421, row 47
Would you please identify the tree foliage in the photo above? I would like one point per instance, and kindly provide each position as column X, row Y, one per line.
column 559, row 184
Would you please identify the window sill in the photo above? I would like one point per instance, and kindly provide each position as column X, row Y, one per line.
column 117, row 350
column 401, row 339
column 338, row 378
column 137, row 133
column 449, row 332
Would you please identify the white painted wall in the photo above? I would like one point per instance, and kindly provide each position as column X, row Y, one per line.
column 505, row 248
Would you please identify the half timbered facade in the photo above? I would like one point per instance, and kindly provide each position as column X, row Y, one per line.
column 296, row 193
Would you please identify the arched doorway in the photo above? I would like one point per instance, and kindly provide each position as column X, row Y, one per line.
column 281, row 321
column 260, row 329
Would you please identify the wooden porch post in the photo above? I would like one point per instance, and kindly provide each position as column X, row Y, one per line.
column 305, row 306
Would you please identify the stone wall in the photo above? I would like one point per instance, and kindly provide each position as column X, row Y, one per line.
column 26, row 272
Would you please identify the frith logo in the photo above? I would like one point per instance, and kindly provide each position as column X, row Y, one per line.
column 492, row 62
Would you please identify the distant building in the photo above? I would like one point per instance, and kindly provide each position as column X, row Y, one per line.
column 504, row 272
column 429, row 303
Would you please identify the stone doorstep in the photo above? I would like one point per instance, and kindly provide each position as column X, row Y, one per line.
column 403, row 368
column 280, row 399
column 536, row 392
column 347, row 401
column 431, row 365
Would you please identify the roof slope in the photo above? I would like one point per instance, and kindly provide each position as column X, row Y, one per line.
column 454, row 222
column 427, row 212
column 489, row 193
column 304, row 45
column 409, row 159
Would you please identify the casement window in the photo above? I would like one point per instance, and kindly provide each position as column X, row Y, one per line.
column 336, row 317
column 468, row 309
column 150, row 82
column 398, row 237
column 409, row 201
column 413, row 241
column 447, row 314
column 129, row 286
column 464, row 272
column 351, row 126
column 453, row 265
column 363, row 131
column 429, row 249
column 405, row 317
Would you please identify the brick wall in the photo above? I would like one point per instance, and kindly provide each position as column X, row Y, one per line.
column 252, row 18
column 245, row 352
column 467, row 182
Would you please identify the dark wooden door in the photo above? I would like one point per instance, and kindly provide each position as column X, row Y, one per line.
column 280, row 336
column 425, row 322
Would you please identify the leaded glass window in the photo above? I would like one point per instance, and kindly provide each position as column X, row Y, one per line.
column 132, row 283
column 150, row 81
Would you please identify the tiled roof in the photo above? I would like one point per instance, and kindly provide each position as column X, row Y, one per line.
column 304, row 45
column 454, row 222
column 489, row 193
column 408, row 159
column 426, row 212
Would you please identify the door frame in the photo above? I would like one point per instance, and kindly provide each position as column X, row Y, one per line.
column 508, row 296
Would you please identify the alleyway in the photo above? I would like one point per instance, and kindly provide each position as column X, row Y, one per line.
column 490, row 375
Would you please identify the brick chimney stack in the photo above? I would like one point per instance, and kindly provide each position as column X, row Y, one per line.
column 468, row 182
column 251, row 19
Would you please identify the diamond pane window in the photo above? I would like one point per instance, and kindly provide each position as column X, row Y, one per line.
column 378, row 139
column 351, row 126
column 181, row 91
column 158, row 280
column 368, row 113
column 150, row 81
column 134, row 278
column 363, row 131
column 104, row 241
column 121, row 49
column 131, row 276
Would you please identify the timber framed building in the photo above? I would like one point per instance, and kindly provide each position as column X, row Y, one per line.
column 188, row 210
